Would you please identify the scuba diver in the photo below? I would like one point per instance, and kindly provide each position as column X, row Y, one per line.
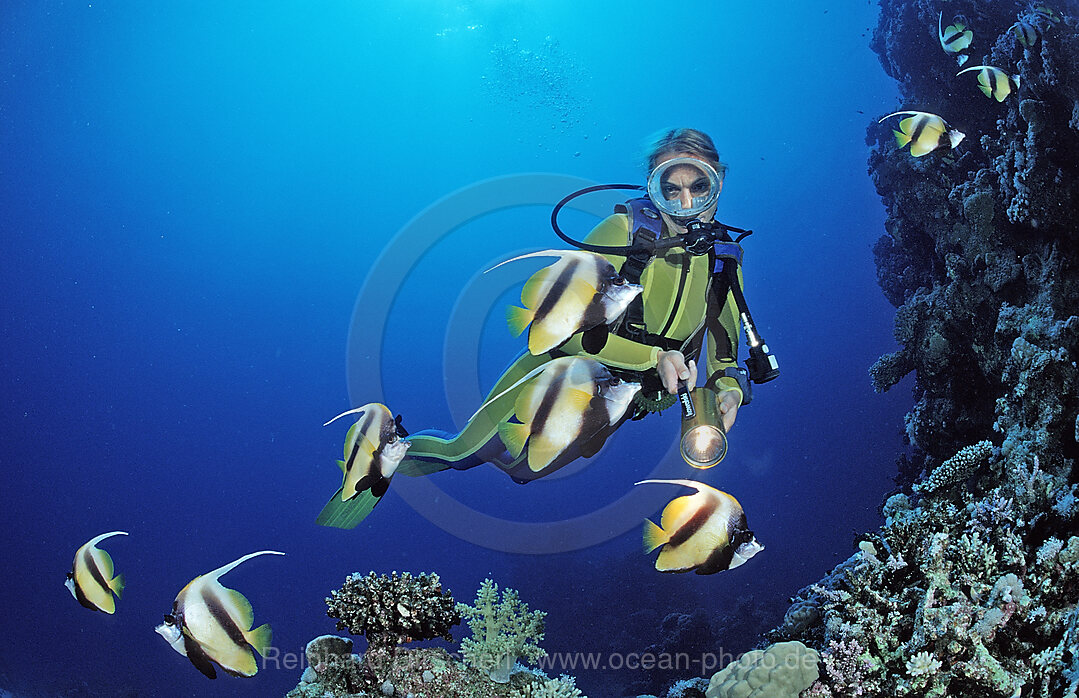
column 646, row 360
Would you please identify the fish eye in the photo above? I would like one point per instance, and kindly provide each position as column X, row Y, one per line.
column 170, row 619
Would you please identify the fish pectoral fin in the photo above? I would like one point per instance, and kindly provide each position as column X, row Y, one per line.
column 199, row 658
column 117, row 585
column 346, row 514
column 260, row 638
column 578, row 399
column 654, row 536
column 583, row 291
column 517, row 319
column 514, row 436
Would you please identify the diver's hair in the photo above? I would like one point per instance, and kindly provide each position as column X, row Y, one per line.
column 683, row 140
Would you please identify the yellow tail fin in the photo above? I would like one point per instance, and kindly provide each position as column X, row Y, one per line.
column 261, row 638
column 513, row 436
column 654, row 536
column 117, row 585
column 518, row 319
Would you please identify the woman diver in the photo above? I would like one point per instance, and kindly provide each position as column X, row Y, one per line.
column 658, row 341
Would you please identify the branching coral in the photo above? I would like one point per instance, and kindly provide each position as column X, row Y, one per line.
column 503, row 632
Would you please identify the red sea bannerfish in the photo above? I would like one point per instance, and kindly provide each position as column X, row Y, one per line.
column 91, row 581
column 580, row 291
column 563, row 405
column 994, row 82
column 705, row 532
column 211, row 623
column 955, row 39
column 924, row 132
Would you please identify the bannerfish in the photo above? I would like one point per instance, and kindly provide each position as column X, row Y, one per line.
column 580, row 291
column 212, row 623
column 90, row 580
column 569, row 401
column 955, row 39
column 373, row 450
column 705, row 532
column 925, row 132
column 994, row 82
column 1049, row 13
column 1026, row 32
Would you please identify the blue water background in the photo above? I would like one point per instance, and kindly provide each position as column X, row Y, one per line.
column 191, row 198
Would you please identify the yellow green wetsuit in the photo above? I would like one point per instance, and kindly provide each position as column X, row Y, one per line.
column 678, row 306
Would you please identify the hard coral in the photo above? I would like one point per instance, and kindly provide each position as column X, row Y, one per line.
column 392, row 609
column 982, row 261
column 783, row 670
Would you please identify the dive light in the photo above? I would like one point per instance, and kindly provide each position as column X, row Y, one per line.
column 704, row 441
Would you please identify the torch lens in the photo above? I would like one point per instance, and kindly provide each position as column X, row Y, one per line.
column 703, row 446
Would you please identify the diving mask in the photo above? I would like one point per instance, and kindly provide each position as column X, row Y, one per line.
column 684, row 187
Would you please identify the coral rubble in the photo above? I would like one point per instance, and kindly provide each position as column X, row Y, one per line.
column 970, row 587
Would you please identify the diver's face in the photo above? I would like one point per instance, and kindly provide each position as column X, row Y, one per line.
column 685, row 182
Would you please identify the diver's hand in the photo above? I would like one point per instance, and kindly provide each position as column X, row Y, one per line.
column 672, row 368
column 728, row 402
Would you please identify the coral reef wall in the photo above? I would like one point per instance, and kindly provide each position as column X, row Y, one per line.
column 970, row 587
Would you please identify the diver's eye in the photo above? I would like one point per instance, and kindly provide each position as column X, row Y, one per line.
column 700, row 188
column 670, row 191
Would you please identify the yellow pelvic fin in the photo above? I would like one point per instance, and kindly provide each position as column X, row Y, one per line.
column 341, row 465
column 901, row 139
column 260, row 638
column 518, row 318
column 513, row 436
column 654, row 536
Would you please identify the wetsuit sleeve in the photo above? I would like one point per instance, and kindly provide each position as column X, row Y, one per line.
column 723, row 332
column 617, row 351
